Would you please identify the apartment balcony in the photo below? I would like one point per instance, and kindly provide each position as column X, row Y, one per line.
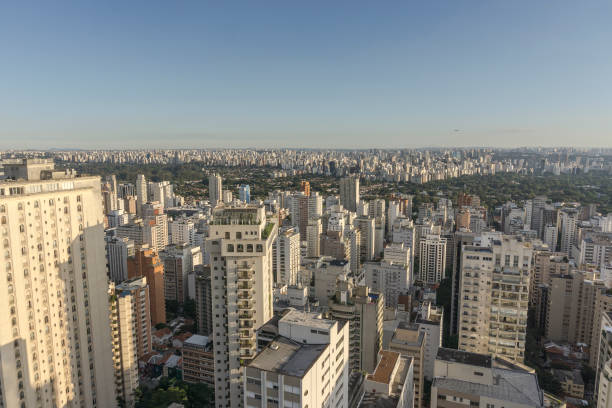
column 244, row 295
column 245, row 285
column 246, row 305
column 246, row 314
column 245, row 275
column 246, row 324
column 247, row 335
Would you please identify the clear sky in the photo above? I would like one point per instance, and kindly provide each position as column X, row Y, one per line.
column 351, row 74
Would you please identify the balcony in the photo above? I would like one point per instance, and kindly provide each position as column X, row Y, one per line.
column 245, row 275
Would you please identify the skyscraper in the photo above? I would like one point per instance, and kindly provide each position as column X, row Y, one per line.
column 141, row 193
column 286, row 262
column 54, row 294
column 145, row 262
column 131, row 329
column 349, row 193
column 495, row 296
column 432, row 259
column 240, row 247
column 244, row 193
column 215, row 188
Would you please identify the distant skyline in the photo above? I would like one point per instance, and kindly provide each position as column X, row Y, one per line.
column 305, row 74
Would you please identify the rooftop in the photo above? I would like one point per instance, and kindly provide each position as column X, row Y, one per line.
column 287, row 357
column 513, row 386
column 197, row 340
column 310, row 319
column 385, row 367
column 464, row 357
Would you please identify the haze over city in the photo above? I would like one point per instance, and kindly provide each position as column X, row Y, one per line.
column 305, row 74
column 282, row 204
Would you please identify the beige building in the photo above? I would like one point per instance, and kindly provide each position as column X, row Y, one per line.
column 409, row 341
column 603, row 305
column 604, row 387
column 570, row 306
column 363, row 310
column 286, row 261
column 240, row 248
column 391, row 384
column 494, row 297
column 56, row 338
column 131, row 331
column 306, row 365
column 546, row 264
column 464, row 379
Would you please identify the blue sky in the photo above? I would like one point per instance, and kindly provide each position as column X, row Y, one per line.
column 350, row 74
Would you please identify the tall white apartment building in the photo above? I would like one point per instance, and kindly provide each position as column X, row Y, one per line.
column 494, row 297
column 567, row 230
column 349, row 193
column 141, row 193
column 604, row 396
column 131, row 329
column 432, row 259
column 306, row 365
column 182, row 231
column 215, row 188
column 388, row 278
column 397, row 253
column 155, row 226
column 313, row 237
column 286, row 261
column 117, row 252
column 240, row 248
column 56, row 343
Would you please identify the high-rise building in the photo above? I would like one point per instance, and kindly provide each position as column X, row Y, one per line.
column 432, row 259
column 567, row 230
column 131, row 329
column 313, row 238
column 215, row 188
column 305, row 187
column 495, row 297
column 349, row 193
column 430, row 319
column 54, row 291
column 306, row 365
column 244, row 193
column 570, row 306
column 367, row 229
column 596, row 249
column 146, row 262
column 286, row 261
column 182, row 231
column 118, row 250
column 179, row 261
column 155, row 226
column 390, row 279
column 240, row 247
column 363, row 310
column 409, row 341
column 141, row 193
column 203, row 299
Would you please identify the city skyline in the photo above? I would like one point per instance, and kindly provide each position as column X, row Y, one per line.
column 401, row 75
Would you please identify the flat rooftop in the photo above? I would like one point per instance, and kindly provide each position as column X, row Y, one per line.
column 197, row 340
column 310, row 319
column 385, row 367
column 464, row 357
column 513, row 386
column 288, row 357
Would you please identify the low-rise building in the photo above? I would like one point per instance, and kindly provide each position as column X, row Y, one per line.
column 198, row 360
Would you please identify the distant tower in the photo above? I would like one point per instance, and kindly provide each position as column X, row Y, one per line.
column 215, row 186
column 305, row 187
column 349, row 193
column 141, row 193
column 245, row 193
